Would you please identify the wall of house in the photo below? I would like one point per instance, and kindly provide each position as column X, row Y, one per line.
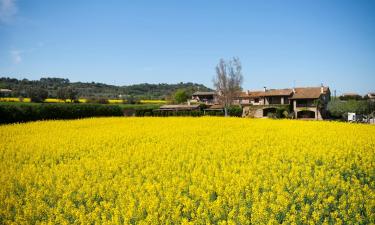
column 296, row 109
column 252, row 112
column 260, row 101
column 245, row 101
column 318, row 115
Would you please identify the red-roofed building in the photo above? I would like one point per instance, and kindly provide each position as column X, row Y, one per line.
column 305, row 102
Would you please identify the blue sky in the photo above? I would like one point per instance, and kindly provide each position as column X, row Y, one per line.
column 125, row 42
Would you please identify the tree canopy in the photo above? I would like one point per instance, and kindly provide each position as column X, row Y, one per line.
column 98, row 90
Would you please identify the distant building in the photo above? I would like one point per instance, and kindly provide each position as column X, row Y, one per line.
column 305, row 102
column 179, row 108
column 302, row 102
column 310, row 102
column 5, row 92
column 207, row 97
column 350, row 96
column 371, row 96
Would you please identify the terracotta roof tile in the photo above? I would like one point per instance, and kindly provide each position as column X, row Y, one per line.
column 256, row 94
column 204, row 93
column 216, row 107
column 309, row 92
column 278, row 92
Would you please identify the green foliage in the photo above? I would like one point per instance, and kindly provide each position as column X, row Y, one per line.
column 88, row 90
column 180, row 96
column 351, row 97
column 339, row 109
column 158, row 113
column 214, row 113
column 13, row 113
column 97, row 100
column 67, row 93
column 129, row 99
column 235, row 111
column 282, row 112
column 203, row 106
column 139, row 106
column 37, row 94
column 143, row 112
column 271, row 115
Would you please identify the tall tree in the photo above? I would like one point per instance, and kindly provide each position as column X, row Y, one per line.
column 180, row 96
column 60, row 94
column 228, row 81
column 67, row 93
column 37, row 94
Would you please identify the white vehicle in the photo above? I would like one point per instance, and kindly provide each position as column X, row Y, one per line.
column 351, row 117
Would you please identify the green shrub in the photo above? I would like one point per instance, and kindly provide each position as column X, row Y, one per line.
column 143, row 112
column 31, row 112
column 235, row 111
column 177, row 113
column 97, row 100
column 214, row 113
column 271, row 115
column 37, row 94
column 339, row 109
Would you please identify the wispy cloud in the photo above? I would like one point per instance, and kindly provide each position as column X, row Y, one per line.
column 8, row 8
column 16, row 56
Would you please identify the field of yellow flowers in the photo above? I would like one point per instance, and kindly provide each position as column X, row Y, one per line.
column 81, row 100
column 187, row 171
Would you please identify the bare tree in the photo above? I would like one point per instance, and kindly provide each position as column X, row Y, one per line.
column 228, row 81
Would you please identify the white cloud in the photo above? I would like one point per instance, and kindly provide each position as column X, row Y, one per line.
column 8, row 9
column 16, row 56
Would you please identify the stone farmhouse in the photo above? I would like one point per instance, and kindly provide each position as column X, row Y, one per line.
column 207, row 97
column 303, row 102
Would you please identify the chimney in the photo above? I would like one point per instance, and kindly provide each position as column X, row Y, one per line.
column 248, row 92
column 321, row 88
column 294, row 90
column 265, row 88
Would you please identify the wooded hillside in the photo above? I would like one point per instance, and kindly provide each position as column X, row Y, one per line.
column 86, row 90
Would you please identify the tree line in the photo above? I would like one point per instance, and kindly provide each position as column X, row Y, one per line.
column 64, row 89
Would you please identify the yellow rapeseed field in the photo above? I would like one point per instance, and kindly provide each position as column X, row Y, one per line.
column 187, row 171
column 82, row 100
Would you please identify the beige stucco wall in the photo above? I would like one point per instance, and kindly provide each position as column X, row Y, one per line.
column 252, row 112
column 318, row 115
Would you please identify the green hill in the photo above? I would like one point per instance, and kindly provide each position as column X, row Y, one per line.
column 93, row 89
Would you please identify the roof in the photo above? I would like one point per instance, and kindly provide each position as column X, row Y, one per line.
column 5, row 90
column 178, row 107
column 350, row 94
column 243, row 95
column 255, row 94
column 204, row 93
column 216, row 107
column 278, row 92
column 309, row 92
column 267, row 93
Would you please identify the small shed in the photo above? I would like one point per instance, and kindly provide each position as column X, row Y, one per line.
column 179, row 108
column 5, row 92
column 217, row 108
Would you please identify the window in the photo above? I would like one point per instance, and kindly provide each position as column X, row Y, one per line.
column 256, row 100
column 274, row 100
